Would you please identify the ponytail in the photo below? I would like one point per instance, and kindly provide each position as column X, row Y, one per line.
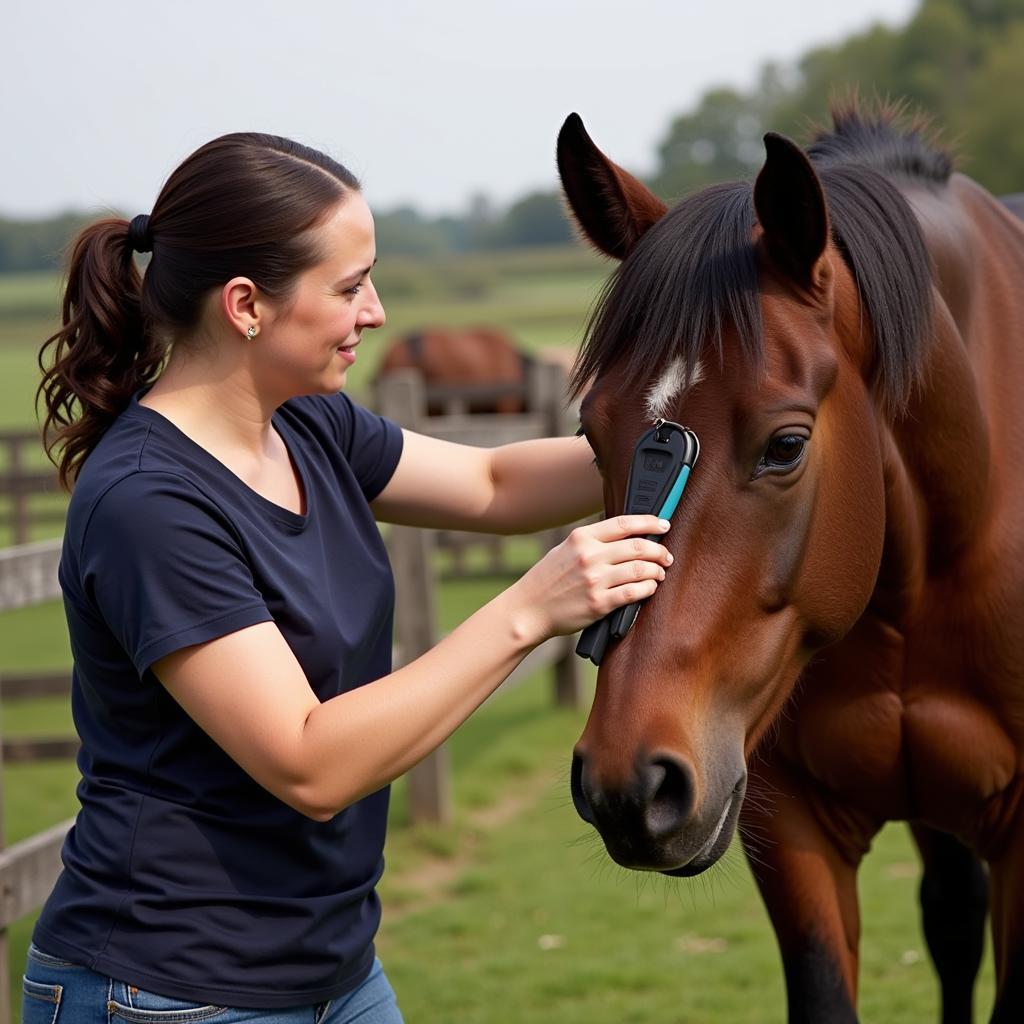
column 102, row 353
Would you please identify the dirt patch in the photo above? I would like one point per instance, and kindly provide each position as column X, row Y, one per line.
column 431, row 880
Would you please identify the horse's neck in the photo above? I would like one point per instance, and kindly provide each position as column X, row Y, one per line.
column 937, row 460
column 950, row 458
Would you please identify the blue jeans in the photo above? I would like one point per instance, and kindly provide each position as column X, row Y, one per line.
column 59, row 992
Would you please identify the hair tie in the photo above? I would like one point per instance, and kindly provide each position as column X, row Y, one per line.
column 139, row 236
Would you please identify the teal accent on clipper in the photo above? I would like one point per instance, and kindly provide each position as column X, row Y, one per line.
column 672, row 501
column 662, row 461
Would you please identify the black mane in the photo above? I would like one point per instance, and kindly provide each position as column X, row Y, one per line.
column 694, row 273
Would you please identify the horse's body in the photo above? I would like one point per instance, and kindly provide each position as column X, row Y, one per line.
column 467, row 359
column 843, row 634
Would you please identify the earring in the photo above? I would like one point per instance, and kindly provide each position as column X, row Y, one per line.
column 251, row 333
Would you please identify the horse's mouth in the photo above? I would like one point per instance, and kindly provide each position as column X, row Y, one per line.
column 715, row 845
column 682, row 854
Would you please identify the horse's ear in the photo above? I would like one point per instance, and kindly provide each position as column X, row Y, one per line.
column 612, row 208
column 790, row 206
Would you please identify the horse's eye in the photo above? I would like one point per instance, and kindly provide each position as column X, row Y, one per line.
column 783, row 453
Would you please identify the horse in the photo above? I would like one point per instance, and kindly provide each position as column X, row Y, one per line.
column 842, row 633
column 479, row 368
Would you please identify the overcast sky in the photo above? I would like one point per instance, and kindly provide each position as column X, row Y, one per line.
column 426, row 102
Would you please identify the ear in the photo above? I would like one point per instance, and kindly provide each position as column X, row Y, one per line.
column 791, row 209
column 612, row 208
column 240, row 304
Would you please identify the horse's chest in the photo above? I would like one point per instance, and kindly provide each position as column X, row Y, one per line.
column 930, row 729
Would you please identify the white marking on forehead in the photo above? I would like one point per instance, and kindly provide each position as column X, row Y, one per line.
column 664, row 391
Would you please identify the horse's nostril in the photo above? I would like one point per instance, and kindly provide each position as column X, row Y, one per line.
column 579, row 799
column 668, row 795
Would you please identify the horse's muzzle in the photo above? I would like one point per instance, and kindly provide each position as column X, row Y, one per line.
column 651, row 822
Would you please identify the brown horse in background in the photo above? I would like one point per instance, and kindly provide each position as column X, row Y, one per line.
column 842, row 635
column 464, row 359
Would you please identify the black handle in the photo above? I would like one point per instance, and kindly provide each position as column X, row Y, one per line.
column 593, row 640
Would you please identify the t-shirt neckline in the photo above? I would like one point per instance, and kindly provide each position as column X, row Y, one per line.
column 285, row 515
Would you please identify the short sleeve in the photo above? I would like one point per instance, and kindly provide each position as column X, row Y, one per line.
column 164, row 568
column 371, row 444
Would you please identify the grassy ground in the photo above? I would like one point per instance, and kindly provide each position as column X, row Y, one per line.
column 514, row 912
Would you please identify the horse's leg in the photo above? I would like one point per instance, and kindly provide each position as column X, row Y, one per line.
column 954, row 905
column 810, row 891
column 1006, row 903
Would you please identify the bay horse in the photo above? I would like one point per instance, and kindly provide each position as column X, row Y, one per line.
column 842, row 634
column 481, row 368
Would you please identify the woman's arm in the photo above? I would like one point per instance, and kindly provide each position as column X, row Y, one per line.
column 517, row 488
column 247, row 691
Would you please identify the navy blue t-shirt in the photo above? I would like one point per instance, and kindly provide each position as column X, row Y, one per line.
column 182, row 875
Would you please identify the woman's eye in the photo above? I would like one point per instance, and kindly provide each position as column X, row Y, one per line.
column 784, row 452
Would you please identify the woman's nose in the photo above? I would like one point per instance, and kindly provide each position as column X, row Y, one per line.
column 372, row 314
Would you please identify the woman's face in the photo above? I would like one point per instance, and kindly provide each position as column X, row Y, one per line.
column 310, row 342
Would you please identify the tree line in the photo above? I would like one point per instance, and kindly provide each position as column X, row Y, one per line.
column 959, row 62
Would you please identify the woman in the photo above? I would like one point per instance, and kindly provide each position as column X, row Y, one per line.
column 229, row 600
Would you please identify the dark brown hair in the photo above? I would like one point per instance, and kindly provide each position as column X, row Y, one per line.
column 243, row 204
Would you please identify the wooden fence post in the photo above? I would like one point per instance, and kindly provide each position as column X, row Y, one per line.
column 19, row 498
column 400, row 397
column 20, row 481
column 547, row 386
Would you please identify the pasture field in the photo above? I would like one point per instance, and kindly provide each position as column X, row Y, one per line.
column 513, row 913
column 540, row 297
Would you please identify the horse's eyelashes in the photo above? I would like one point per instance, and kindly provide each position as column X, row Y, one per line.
column 580, row 432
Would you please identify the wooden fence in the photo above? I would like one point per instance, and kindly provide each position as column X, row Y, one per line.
column 28, row 577
column 404, row 397
column 20, row 481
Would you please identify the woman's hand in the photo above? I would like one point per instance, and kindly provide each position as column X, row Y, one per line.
column 596, row 569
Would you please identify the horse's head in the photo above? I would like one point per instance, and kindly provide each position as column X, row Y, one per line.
column 734, row 314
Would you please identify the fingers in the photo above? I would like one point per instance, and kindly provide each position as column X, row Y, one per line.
column 633, row 549
column 636, row 571
column 630, row 593
column 619, row 527
column 599, row 568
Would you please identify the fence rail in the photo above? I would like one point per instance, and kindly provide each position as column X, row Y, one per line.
column 20, row 482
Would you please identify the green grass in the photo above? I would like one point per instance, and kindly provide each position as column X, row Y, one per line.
column 29, row 294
